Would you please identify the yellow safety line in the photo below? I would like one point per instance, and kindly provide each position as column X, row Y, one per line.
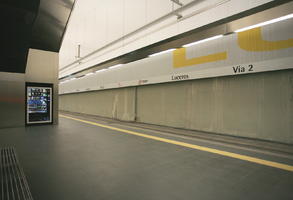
column 193, row 146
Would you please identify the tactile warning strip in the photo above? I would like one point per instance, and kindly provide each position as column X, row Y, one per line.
column 14, row 185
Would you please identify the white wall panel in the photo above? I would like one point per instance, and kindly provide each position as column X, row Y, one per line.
column 204, row 17
column 94, row 27
column 166, row 32
column 156, row 9
column 115, row 19
column 232, row 54
column 135, row 14
column 133, row 43
column 94, row 24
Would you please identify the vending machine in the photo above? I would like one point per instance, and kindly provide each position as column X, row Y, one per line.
column 39, row 103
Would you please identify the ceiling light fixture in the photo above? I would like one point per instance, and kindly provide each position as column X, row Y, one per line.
column 162, row 52
column 265, row 23
column 115, row 66
column 204, row 40
column 100, row 70
column 89, row 73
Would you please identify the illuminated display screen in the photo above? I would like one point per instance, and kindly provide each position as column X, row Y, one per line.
column 39, row 104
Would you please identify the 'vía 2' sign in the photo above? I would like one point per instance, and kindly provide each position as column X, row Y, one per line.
column 260, row 49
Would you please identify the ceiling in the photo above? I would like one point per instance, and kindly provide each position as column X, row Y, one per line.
column 38, row 24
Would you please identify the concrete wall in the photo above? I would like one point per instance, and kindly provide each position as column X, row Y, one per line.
column 253, row 105
column 114, row 103
column 256, row 105
column 42, row 66
column 12, row 98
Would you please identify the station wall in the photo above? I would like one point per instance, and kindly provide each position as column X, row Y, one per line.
column 256, row 105
column 42, row 67
column 253, row 105
column 105, row 26
column 266, row 48
column 114, row 103
column 240, row 84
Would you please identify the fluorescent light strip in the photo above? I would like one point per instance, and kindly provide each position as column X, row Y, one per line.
column 204, row 40
column 115, row 66
column 265, row 23
column 162, row 52
column 101, row 70
column 89, row 74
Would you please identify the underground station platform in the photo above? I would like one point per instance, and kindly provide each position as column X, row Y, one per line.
column 180, row 100
column 87, row 157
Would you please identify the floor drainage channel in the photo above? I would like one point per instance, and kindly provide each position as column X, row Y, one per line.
column 14, row 185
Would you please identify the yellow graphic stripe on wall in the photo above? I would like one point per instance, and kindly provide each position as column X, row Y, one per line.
column 251, row 40
column 179, row 58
